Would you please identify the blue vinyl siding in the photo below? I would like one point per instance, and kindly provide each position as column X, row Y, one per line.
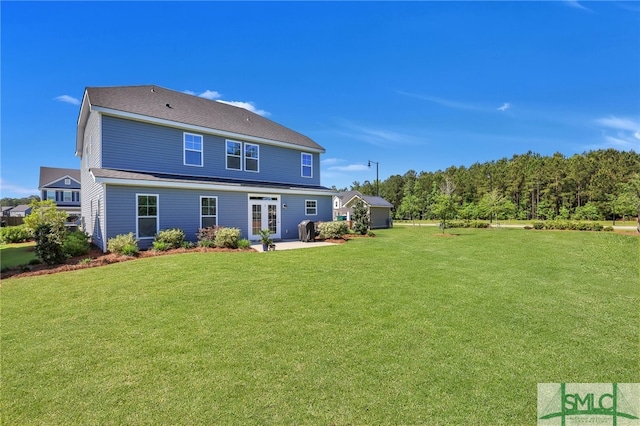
column 92, row 194
column 180, row 208
column 137, row 146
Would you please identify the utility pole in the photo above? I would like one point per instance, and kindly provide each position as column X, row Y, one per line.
column 377, row 181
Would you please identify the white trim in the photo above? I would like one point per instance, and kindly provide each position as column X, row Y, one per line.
column 200, row 208
column 274, row 201
column 157, row 216
column 185, row 149
column 58, row 180
column 302, row 165
column 208, row 130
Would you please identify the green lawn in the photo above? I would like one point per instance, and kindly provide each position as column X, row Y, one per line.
column 410, row 327
column 16, row 254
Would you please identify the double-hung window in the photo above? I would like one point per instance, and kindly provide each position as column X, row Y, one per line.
column 311, row 207
column 247, row 159
column 147, row 215
column 307, row 165
column 66, row 196
column 234, row 155
column 208, row 211
column 192, row 150
column 251, row 156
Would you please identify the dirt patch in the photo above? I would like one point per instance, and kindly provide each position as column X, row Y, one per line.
column 96, row 258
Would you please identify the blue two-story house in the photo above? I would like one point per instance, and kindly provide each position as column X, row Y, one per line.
column 63, row 187
column 154, row 159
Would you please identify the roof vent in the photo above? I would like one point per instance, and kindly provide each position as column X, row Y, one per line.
column 168, row 106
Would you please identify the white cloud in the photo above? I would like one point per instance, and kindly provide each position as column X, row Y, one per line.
column 375, row 136
column 619, row 123
column 68, row 99
column 15, row 191
column 505, row 106
column 576, row 5
column 620, row 132
column 349, row 168
column 250, row 106
column 210, row 94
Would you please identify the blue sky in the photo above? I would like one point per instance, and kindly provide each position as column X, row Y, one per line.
column 411, row 85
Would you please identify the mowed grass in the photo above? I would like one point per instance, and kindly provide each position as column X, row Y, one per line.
column 16, row 254
column 410, row 327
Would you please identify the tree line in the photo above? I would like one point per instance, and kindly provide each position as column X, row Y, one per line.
column 595, row 185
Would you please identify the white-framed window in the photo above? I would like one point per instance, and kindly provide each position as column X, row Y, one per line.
column 251, row 157
column 311, row 207
column 192, row 149
column 146, row 215
column 67, row 197
column 306, row 163
column 208, row 212
column 51, row 195
column 67, row 181
column 234, row 155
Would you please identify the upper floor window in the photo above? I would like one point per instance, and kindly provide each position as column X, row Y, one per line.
column 67, row 197
column 307, row 165
column 251, row 157
column 67, row 181
column 234, row 155
column 192, row 150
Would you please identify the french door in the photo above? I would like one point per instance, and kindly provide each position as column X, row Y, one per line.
column 264, row 213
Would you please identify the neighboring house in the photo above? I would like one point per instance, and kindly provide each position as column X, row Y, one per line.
column 154, row 159
column 379, row 209
column 63, row 187
column 20, row 211
column 6, row 210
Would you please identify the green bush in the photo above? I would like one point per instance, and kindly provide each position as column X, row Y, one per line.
column 608, row 228
column 479, row 224
column 538, row 225
column 172, row 238
column 227, row 237
column 206, row 243
column 49, row 245
column 14, row 234
column 335, row 229
column 123, row 244
column 160, row 246
column 244, row 243
column 76, row 243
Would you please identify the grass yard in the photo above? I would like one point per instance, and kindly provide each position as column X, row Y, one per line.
column 16, row 254
column 410, row 327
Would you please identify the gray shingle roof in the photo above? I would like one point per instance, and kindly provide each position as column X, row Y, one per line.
column 165, row 104
column 52, row 174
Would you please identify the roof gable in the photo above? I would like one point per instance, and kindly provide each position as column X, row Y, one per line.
column 50, row 176
column 182, row 108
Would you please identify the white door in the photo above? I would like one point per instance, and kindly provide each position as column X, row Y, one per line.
column 264, row 213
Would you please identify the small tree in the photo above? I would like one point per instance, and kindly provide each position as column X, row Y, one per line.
column 46, row 223
column 361, row 221
column 444, row 205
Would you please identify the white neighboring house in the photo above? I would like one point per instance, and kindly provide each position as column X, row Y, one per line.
column 379, row 209
column 20, row 211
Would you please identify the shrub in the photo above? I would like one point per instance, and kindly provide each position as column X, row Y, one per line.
column 607, row 228
column 123, row 244
column 244, row 243
column 479, row 224
column 335, row 229
column 227, row 237
column 161, row 246
column 14, row 234
column 207, row 234
column 538, row 225
column 171, row 238
column 596, row 226
column 35, row 262
column 49, row 245
column 76, row 243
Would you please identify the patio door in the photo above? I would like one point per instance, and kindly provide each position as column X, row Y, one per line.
column 264, row 213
